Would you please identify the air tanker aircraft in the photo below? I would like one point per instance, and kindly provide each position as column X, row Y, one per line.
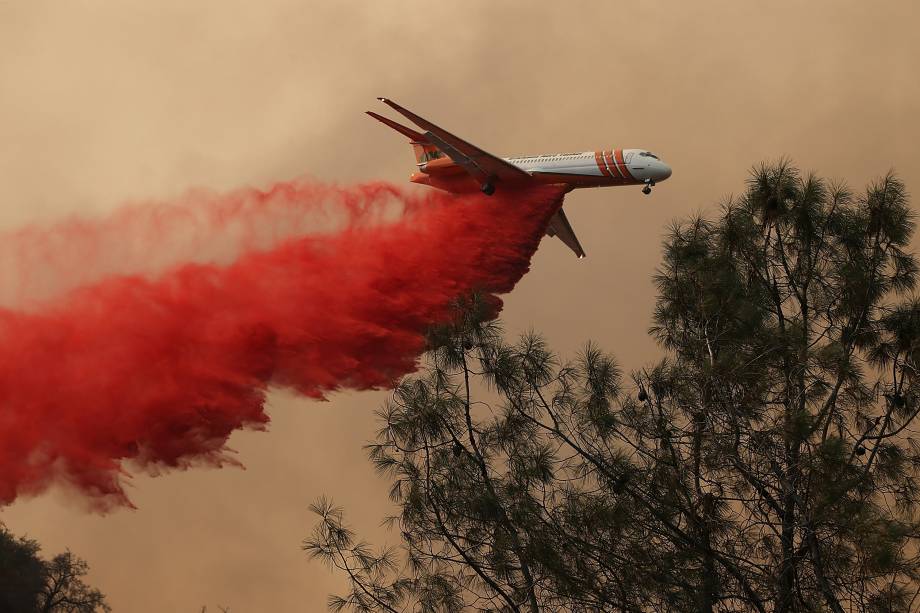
column 450, row 163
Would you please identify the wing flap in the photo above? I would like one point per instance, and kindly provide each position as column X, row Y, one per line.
column 469, row 164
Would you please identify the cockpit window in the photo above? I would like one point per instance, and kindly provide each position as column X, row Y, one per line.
column 648, row 154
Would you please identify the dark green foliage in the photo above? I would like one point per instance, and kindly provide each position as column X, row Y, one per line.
column 767, row 463
column 29, row 584
column 21, row 573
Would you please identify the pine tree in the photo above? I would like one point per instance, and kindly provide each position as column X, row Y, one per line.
column 766, row 463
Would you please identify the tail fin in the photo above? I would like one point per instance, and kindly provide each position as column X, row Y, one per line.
column 424, row 150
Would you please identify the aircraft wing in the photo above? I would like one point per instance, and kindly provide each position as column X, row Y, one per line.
column 483, row 166
column 559, row 227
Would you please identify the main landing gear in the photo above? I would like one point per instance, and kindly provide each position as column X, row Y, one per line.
column 487, row 188
column 648, row 187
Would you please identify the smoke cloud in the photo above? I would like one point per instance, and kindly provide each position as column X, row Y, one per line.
column 152, row 371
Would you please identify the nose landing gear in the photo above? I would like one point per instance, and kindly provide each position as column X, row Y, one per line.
column 648, row 187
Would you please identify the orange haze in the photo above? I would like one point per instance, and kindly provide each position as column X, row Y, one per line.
column 103, row 104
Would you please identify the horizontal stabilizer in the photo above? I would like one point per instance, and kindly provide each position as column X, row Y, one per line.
column 481, row 165
column 416, row 137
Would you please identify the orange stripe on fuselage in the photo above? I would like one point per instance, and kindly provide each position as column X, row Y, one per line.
column 620, row 163
column 614, row 172
column 600, row 163
column 610, row 168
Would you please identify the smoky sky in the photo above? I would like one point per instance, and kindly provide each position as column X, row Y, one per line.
column 103, row 105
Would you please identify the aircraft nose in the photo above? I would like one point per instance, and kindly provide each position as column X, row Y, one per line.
column 662, row 170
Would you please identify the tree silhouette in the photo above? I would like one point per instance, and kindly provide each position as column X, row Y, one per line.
column 30, row 584
column 64, row 589
column 21, row 572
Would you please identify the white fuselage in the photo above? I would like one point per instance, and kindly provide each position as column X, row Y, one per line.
column 636, row 164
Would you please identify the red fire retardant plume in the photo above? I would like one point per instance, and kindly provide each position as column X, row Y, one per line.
column 146, row 373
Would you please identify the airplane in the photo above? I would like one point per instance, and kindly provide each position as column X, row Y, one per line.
column 450, row 163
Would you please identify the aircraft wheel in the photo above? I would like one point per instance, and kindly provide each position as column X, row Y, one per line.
column 488, row 189
column 646, row 190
